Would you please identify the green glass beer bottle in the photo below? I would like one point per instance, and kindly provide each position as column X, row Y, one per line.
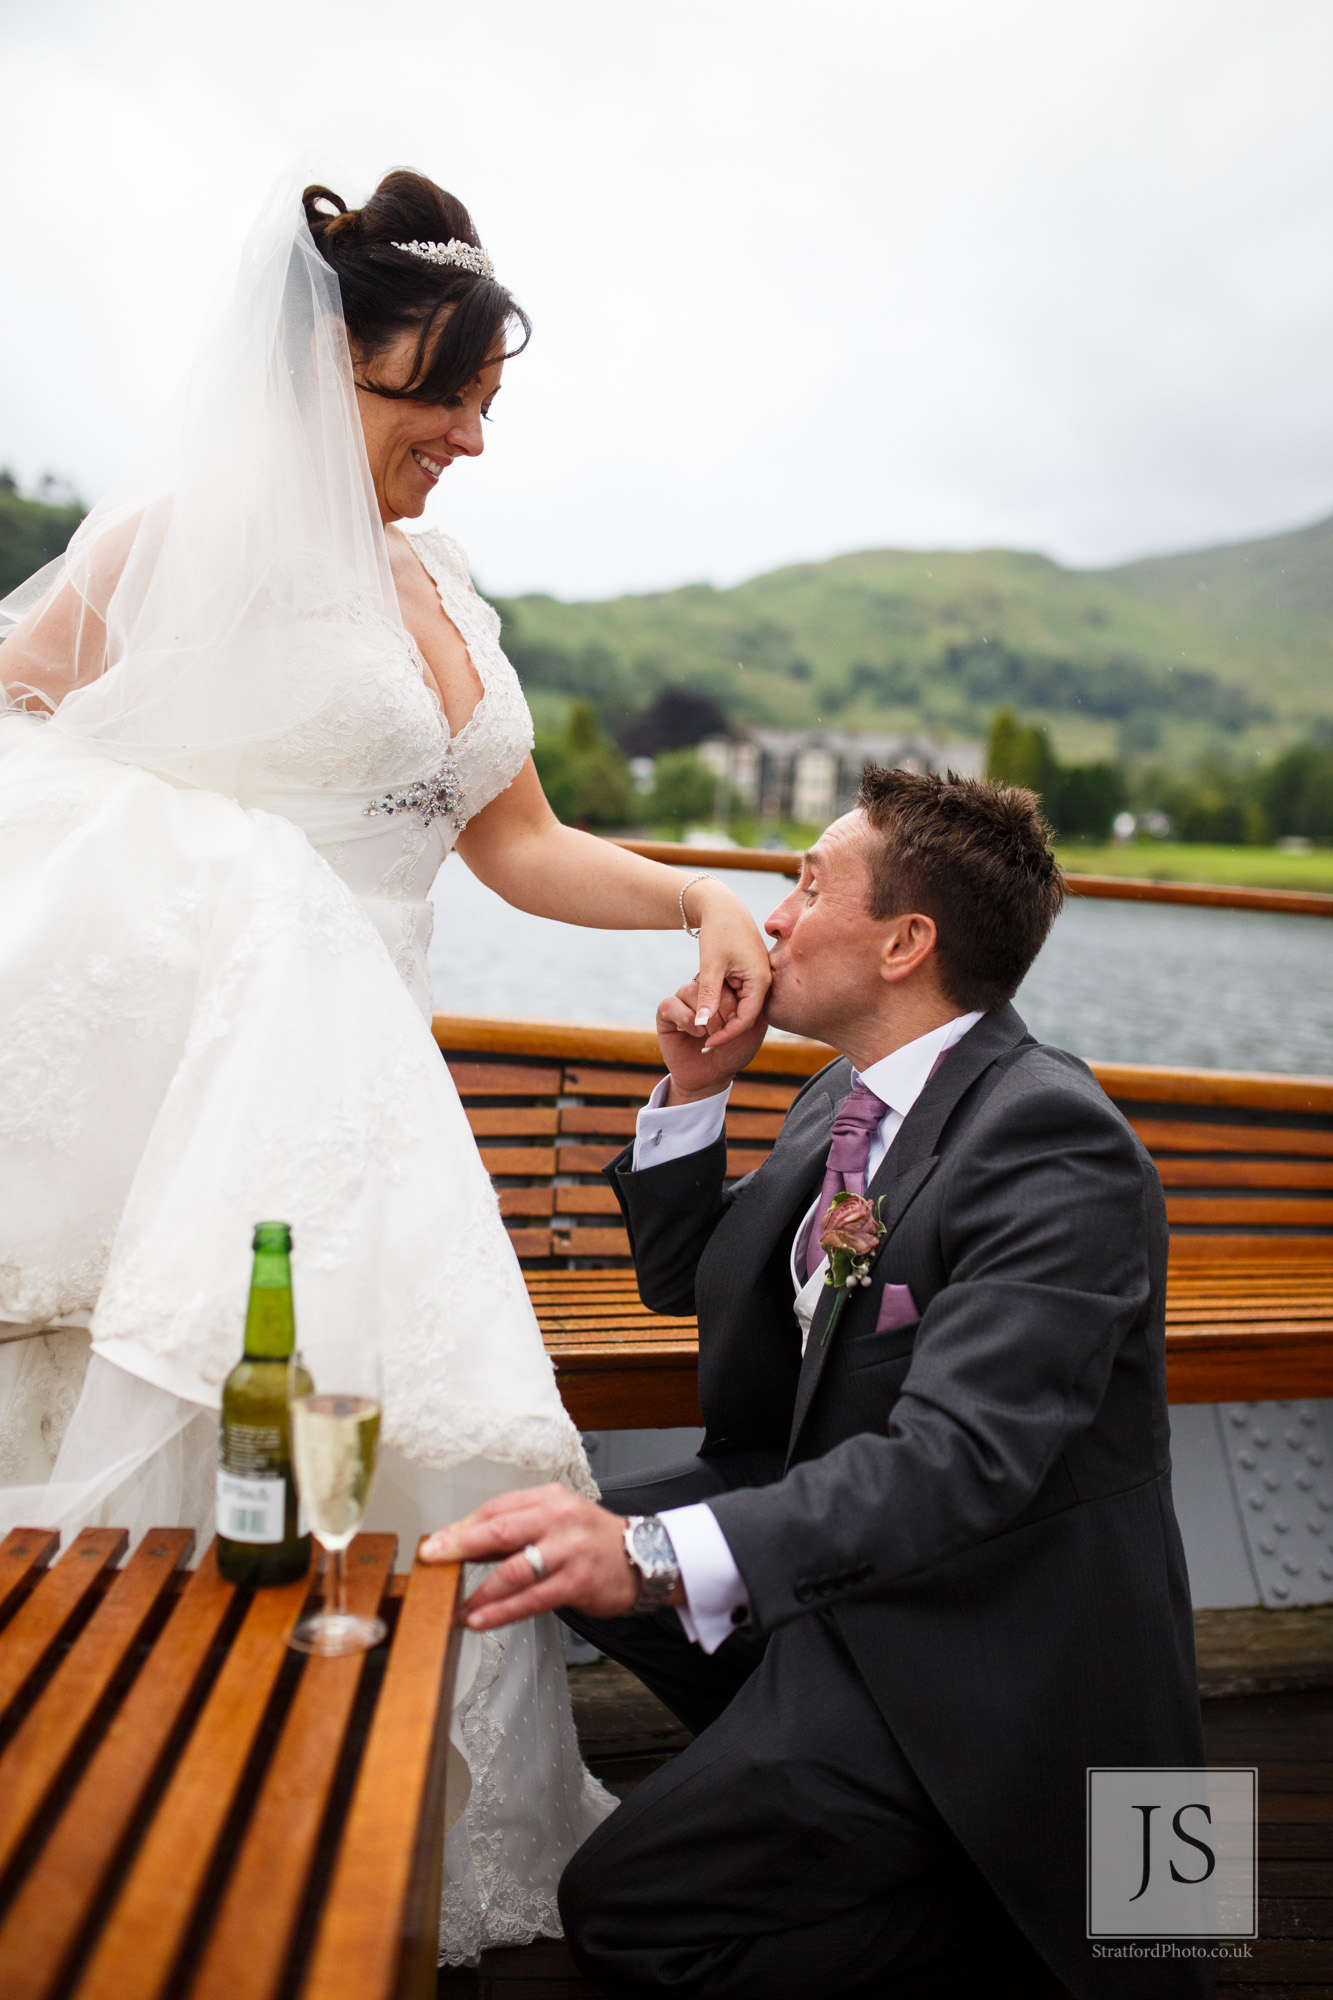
column 261, row 1536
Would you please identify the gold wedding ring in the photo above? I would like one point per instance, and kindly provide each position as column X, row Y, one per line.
column 533, row 1555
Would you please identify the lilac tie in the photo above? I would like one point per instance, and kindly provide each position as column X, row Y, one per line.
column 854, row 1130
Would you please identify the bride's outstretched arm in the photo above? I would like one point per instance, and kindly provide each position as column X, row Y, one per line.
column 518, row 847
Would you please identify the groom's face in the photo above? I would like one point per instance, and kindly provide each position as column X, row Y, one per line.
column 828, row 949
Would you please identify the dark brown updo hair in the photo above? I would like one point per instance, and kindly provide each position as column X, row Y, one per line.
column 388, row 292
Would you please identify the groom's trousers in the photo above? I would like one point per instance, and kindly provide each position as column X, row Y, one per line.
column 790, row 1852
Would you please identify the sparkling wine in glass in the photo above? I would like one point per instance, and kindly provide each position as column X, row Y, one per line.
column 335, row 1443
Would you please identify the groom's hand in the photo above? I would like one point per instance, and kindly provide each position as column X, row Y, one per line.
column 581, row 1549
column 698, row 1069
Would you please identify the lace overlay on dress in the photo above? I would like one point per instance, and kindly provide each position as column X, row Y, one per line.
column 494, row 742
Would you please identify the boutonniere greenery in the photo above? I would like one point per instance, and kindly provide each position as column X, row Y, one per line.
column 851, row 1234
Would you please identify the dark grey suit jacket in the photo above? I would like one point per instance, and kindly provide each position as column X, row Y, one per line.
column 980, row 1501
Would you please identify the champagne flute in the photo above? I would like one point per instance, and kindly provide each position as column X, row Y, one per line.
column 335, row 1443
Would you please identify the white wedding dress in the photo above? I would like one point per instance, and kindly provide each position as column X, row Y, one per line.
column 214, row 1007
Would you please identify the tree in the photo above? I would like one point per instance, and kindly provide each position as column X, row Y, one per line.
column 1297, row 792
column 677, row 720
column 585, row 778
column 1083, row 799
column 1019, row 753
column 684, row 789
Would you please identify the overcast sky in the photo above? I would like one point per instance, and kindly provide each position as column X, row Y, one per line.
column 805, row 278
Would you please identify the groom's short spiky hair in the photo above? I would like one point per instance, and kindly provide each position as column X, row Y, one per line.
column 974, row 857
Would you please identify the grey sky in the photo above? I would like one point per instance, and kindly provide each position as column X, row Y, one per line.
column 805, row 278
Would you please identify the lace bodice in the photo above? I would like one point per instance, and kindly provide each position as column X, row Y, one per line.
column 381, row 716
column 374, row 778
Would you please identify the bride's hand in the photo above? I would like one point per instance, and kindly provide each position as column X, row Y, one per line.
column 733, row 960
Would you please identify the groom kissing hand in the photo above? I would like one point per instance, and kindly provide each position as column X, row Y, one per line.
column 925, row 1570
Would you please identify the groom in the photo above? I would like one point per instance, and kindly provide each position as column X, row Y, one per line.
column 925, row 1570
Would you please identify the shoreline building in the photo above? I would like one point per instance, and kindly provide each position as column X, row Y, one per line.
column 813, row 775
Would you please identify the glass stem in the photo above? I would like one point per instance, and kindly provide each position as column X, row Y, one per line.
column 337, row 1594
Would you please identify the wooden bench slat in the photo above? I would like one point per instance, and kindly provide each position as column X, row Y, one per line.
column 753, row 1125
column 1221, row 1210
column 1176, row 1173
column 561, row 1335
column 744, row 1162
column 1250, row 1253
column 638, row 1083
column 1240, row 1313
column 379, row 1926
column 528, row 1201
column 576, row 1159
column 748, row 1096
column 502, row 1160
column 531, row 1242
column 24, row 1553
column 503, row 1080
column 620, row 1120
column 1167, row 1135
column 242, row 1960
column 523, row 1121
column 586, row 1201
column 39, row 1625
column 592, row 1242
column 578, row 1282
column 1248, row 1365
column 41, row 1747
column 134, row 1956
column 662, row 1394
column 47, row 1917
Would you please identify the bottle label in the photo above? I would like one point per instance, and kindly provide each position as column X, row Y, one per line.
column 251, row 1510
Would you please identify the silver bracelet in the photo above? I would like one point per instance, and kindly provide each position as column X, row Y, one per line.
column 691, row 929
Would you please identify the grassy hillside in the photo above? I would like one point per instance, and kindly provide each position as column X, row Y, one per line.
column 1227, row 649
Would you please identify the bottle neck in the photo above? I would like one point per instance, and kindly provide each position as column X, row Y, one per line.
column 270, row 1328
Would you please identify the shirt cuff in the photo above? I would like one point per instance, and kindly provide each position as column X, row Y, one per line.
column 671, row 1131
column 717, row 1602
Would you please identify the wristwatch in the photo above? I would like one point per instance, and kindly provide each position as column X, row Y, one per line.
column 648, row 1546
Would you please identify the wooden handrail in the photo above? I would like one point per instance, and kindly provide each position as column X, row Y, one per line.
column 1113, row 888
column 794, row 1055
column 579, row 1041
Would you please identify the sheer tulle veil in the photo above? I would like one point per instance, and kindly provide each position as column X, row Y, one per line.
column 200, row 1023
column 172, row 632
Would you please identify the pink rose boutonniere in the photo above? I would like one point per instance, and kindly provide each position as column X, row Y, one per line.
column 851, row 1234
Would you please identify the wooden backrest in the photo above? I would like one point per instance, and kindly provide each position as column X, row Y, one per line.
column 1246, row 1159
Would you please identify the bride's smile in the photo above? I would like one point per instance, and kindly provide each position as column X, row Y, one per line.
column 430, row 466
column 411, row 443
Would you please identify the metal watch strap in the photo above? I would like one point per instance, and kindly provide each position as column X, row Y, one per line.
column 660, row 1573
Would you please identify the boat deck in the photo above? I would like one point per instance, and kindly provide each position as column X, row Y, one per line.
column 626, row 1733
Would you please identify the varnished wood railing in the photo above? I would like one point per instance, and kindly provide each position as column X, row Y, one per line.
column 1112, row 888
column 796, row 1055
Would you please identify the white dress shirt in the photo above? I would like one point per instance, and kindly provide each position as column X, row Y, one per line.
column 716, row 1599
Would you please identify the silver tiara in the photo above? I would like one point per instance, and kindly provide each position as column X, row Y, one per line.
column 465, row 255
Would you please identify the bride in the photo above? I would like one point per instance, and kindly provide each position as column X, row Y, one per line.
column 248, row 718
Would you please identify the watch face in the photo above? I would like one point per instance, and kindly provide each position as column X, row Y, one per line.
column 652, row 1546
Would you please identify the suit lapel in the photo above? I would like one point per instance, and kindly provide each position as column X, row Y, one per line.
column 906, row 1168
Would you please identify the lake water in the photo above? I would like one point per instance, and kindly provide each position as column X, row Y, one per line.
column 1119, row 982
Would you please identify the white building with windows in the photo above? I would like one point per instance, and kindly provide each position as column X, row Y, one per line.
column 813, row 775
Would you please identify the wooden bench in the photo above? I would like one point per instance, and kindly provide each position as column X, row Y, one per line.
column 188, row 1807
column 1246, row 1161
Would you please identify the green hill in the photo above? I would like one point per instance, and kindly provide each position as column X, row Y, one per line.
column 1224, row 649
